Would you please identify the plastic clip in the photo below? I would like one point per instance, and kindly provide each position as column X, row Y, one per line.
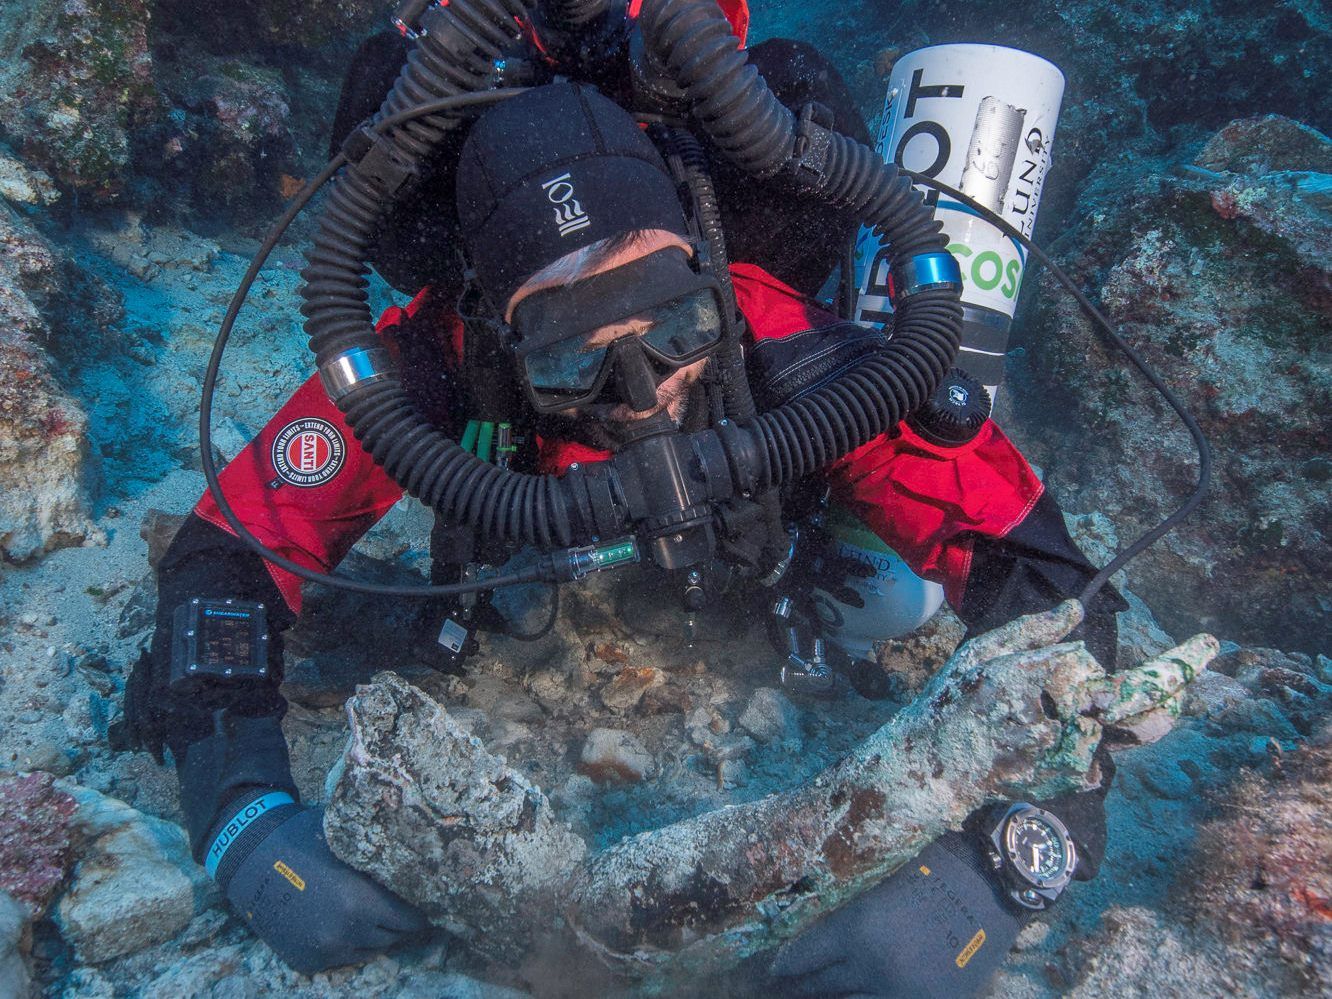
column 814, row 132
column 376, row 158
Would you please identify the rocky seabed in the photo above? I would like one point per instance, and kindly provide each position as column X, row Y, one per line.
column 145, row 146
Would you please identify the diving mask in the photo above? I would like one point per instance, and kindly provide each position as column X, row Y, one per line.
column 564, row 364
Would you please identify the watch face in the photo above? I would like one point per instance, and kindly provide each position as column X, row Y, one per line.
column 1036, row 849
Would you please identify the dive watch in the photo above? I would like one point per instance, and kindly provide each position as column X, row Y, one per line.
column 1033, row 853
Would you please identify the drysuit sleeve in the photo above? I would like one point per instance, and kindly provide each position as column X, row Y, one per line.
column 306, row 489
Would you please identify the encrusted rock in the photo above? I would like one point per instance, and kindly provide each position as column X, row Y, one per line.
column 629, row 685
column 1262, row 874
column 15, row 941
column 1222, row 280
column 612, row 754
column 912, row 659
column 249, row 24
column 426, row 809
column 771, row 717
column 705, row 723
column 235, row 140
column 1266, row 144
column 45, row 480
column 413, row 783
column 36, row 842
column 159, row 530
column 75, row 81
column 25, row 186
column 135, row 884
column 501, row 700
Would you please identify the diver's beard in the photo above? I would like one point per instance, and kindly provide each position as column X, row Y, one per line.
column 596, row 424
column 675, row 403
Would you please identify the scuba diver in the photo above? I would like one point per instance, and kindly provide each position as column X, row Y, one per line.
column 619, row 288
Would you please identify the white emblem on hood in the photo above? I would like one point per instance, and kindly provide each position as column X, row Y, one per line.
column 569, row 214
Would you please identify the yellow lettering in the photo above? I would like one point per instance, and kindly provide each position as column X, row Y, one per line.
column 969, row 951
column 290, row 875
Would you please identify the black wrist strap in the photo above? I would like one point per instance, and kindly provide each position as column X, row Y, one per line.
column 970, row 851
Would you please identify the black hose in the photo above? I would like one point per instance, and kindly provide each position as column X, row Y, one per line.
column 552, row 615
column 692, row 39
column 209, row 466
column 739, row 399
column 737, row 396
column 460, row 44
column 455, row 55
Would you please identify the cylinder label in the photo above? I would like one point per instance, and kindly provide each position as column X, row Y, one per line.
column 979, row 118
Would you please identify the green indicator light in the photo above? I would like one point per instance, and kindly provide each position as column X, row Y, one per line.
column 615, row 554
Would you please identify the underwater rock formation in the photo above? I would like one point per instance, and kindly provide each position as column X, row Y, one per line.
column 76, row 80
column 1135, row 71
column 1217, row 270
column 247, row 25
column 135, row 883
column 36, row 843
column 1250, row 912
column 45, row 477
column 1262, row 874
column 15, row 942
column 420, row 804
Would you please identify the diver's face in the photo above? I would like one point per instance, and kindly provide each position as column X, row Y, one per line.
column 671, row 393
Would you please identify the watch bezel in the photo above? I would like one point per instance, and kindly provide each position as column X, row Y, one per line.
column 1027, row 890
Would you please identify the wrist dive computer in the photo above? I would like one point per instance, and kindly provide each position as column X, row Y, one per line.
column 218, row 643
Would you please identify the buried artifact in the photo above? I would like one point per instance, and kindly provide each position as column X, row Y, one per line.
column 421, row 805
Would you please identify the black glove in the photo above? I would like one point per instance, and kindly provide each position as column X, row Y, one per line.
column 146, row 721
column 269, row 857
column 938, row 926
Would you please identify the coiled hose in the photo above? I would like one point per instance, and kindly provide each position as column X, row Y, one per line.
column 692, row 41
column 738, row 399
column 455, row 55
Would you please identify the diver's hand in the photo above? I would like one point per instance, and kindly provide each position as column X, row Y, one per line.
column 938, row 926
column 280, row 876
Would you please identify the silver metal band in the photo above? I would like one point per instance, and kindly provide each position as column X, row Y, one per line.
column 353, row 368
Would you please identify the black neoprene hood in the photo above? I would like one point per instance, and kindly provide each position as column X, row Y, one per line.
column 551, row 171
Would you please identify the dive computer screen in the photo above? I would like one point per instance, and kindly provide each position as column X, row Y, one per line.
column 218, row 641
column 226, row 637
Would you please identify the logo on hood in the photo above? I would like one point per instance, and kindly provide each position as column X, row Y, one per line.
column 569, row 214
column 308, row 452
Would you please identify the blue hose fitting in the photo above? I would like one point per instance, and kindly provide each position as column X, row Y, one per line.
column 923, row 272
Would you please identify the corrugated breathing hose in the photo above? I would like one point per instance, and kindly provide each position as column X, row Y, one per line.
column 458, row 47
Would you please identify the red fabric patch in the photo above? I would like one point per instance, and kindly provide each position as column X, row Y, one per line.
column 554, row 457
column 928, row 503
column 736, row 11
column 313, row 526
column 775, row 309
